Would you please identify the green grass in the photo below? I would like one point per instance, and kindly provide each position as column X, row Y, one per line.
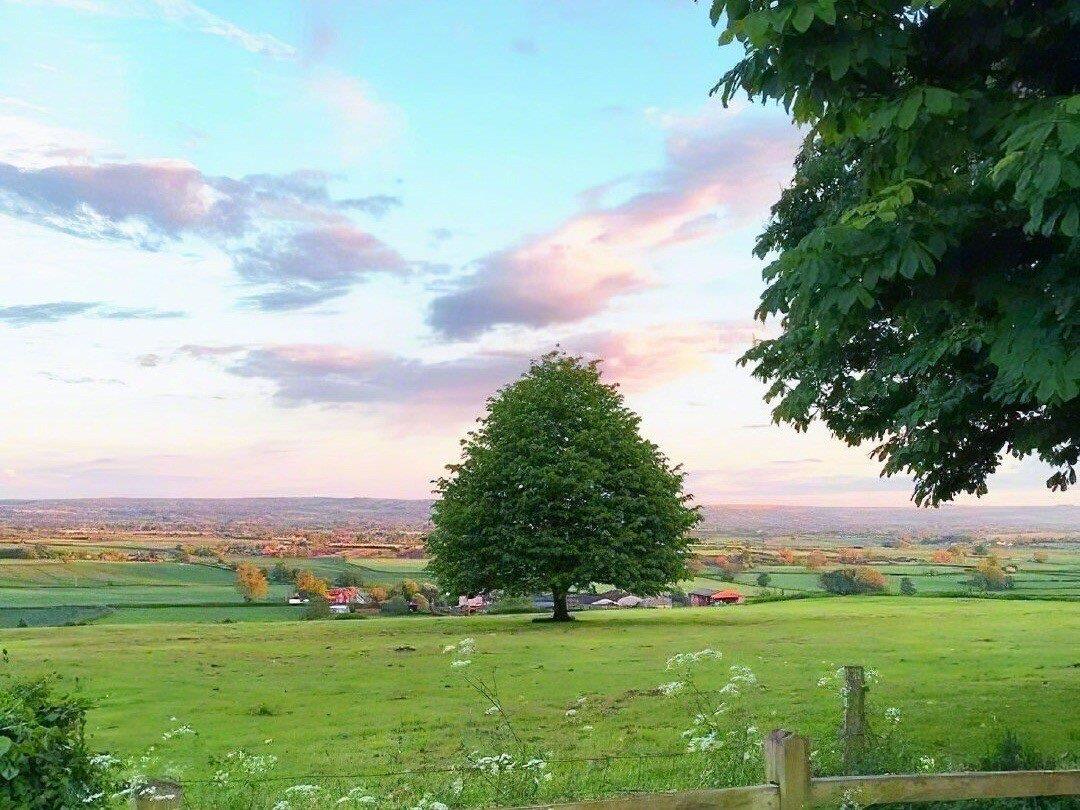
column 202, row 613
column 355, row 697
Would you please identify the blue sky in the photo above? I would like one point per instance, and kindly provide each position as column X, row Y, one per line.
column 289, row 248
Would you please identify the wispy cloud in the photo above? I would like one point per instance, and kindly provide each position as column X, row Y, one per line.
column 715, row 173
column 286, row 234
column 452, row 389
column 362, row 120
column 196, row 18
column 181, row 14
column 54, row 311
column 71, row 380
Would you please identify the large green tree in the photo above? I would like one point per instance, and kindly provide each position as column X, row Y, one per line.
column 926, row 265
column 556, row 489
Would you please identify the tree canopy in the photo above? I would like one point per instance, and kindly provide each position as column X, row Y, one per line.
column 926, row 265
column 556, row 490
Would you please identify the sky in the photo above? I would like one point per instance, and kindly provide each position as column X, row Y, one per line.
column 290, row 248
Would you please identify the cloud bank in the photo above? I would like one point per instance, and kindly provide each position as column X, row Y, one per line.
column 55, row 311
column 286, row 233
column 303, row 374
column 714, row 172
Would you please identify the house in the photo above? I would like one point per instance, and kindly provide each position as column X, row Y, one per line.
column 471, row 604
column 656, row 602
column 347, row 596
column 602, row 603
column 614, row 594
column 701, row 597
column 728, row 596
column 705, row 597
column 629, row 601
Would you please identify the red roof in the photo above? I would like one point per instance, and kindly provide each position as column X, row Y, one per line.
column 727, row 593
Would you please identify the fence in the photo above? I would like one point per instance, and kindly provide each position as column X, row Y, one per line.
column 789, row 786
column 788, row 781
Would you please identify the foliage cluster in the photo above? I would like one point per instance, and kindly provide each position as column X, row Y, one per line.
column 44, row 760
column 847, row 581
column 926, row 251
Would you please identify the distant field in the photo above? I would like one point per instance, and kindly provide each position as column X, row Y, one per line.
column 51, row 583
column 377, row 696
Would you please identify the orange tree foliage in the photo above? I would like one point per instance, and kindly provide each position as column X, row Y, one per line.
column 851, row 556
column 786, row 556
column 251, row 582
column 870, row 579
column 990, row 576
column 308, row 583
column 378, row 593
column 816, row 559
column 941, row 556
column 846, row 581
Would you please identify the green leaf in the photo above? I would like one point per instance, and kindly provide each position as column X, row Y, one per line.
column 905, row 116
column 5, row 744
column 839, row 62
column 938, row 101
column 826, row 11
column 1071, row 220
column 716, row 10
column 803, row 16
column 755, row 26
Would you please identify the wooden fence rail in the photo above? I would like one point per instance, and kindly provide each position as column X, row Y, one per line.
column 790, row 787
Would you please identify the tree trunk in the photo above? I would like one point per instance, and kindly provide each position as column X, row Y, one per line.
column 561, row 614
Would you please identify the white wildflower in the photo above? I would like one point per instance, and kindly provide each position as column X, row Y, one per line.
column 681, row 660
column 303, row 790
column 671, row 688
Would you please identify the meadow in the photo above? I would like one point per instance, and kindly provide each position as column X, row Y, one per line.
column 354, row 699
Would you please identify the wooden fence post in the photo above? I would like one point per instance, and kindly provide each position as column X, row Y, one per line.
column 853, row 732
column 158, row 794
column 787, row 764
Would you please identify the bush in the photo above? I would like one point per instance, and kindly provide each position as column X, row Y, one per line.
column 317, row 608
column 44, row 761
column 421, row 603
column 763, row 580
column 847, row 581
column 990, row 576
column 513, row 604
column 679, row 597
column 907, row 587
column 280, row 572
column 395, row 606
column 349, row 579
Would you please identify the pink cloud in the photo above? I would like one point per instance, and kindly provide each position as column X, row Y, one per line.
column 653, row 356
column 454, row 389
column 361, row 119
column 285, row 232
column 716, row 173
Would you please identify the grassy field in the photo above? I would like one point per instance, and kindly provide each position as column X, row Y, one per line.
column 379, row 696
column 52, row 583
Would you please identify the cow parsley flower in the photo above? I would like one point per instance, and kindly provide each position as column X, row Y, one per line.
column 671, row 688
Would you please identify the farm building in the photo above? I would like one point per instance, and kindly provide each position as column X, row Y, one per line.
column 471, row 604
column 706, row 597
